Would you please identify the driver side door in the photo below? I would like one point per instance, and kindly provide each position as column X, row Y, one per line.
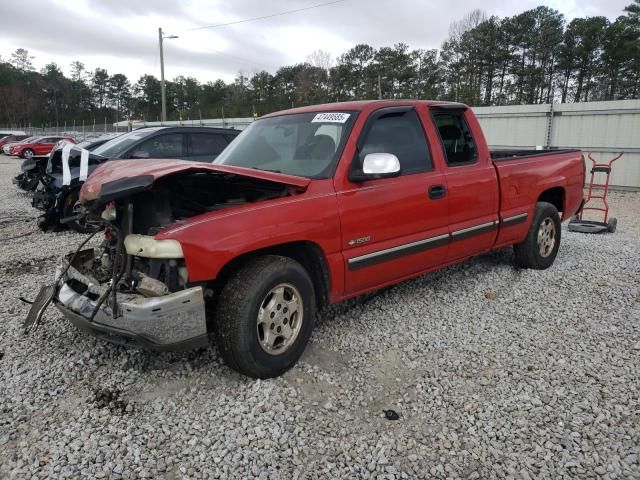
column 44, row 146
column 393, row 228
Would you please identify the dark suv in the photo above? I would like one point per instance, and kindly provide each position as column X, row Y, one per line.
column 58, row 192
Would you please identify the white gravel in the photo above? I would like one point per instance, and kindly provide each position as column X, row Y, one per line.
column 495, row 373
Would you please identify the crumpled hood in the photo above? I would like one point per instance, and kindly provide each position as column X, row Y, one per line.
column 119, row 178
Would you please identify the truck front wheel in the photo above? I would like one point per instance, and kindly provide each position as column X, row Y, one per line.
column 70, row 209
column 264, row 316
column 540, row 247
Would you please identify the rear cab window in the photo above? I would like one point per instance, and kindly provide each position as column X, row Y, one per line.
column 456, row 139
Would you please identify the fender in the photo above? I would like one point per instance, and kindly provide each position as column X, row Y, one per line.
column 212, row 240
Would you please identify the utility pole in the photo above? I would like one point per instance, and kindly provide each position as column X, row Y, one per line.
column 163, row 90
column 379, row 88
column 162, row 87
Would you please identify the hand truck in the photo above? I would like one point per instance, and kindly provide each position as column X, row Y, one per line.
column 577, row 224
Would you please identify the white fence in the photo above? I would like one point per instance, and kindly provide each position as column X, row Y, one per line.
column 603, row 128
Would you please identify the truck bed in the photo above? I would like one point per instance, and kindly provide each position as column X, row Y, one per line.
column 501, row 155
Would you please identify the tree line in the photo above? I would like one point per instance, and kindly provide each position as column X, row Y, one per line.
column 533, row 57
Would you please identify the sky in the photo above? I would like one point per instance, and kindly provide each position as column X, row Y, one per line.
column 122, row 35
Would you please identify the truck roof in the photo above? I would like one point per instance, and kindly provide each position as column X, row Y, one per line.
column 360, row 105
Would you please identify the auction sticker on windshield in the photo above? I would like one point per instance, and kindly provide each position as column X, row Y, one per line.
column 333, row 117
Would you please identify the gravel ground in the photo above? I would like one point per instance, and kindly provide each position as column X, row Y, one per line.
column 494, row 372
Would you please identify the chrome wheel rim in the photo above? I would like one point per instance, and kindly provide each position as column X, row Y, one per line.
column 279, row 319
column 546, row 237
column 28, row 154
column 76, row 210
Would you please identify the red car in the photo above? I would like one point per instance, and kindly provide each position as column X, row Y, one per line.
column 307, row 207
column 6, row 148
column 40, row 147
column 4, row 139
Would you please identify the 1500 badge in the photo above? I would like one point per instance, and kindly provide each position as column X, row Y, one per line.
column 358, row 241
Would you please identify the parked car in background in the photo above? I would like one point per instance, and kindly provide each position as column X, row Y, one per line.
column 308, row 207
column 11, row 138
column 33, row 168
column 7, row 147
column 57, row 195
column 4, row 133
column 41, row 147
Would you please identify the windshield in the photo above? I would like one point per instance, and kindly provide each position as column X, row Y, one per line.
column 29, row 140
column 120, row 144
column 303, row 144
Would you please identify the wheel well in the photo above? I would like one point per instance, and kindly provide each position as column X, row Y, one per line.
column 308, row 254
column 554, row 196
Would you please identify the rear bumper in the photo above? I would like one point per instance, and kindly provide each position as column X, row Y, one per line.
column 171, row 322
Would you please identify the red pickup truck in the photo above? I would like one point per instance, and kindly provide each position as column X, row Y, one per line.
column 307, row 207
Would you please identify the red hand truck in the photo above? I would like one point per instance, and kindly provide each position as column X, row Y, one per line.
column 597, row 191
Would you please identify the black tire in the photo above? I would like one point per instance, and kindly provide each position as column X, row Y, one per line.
column 529, row 253
column 24, row 153
column 235, row 326
column 612, row 225
column 69, row 210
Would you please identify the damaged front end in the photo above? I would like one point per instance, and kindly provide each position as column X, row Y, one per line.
column 139, row 309
column 130, row 289
column 133, row 287
column 31, row 171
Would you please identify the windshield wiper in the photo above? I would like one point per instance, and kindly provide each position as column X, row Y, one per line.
column 266, row 170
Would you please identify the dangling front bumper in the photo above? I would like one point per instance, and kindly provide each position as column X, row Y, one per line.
column 175, row 321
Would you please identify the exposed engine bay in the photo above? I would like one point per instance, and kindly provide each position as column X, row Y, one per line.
column 131, row 259
column 188, row 194
column 132, row 284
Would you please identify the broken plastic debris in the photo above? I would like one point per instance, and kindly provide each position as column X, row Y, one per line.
column 391, row 415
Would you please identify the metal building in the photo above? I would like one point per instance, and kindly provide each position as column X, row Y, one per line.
column 604, row 128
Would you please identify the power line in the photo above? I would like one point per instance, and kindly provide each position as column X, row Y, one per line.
column 253, row 63
column 286, row 12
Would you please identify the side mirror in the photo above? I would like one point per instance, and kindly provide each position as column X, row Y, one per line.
column 377, row 165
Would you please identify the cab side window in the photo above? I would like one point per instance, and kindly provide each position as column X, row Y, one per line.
column 161, row 146
column 456, row 139
column 401, row 134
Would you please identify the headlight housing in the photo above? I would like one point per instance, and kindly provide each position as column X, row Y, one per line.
column 148, row 247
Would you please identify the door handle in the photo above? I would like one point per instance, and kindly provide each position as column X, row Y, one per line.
column 437, row 191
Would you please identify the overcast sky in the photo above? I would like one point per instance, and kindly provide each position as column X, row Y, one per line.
column 122, row 35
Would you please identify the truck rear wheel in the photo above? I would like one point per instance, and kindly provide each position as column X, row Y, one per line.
column 264, row 316
column 540, row 247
